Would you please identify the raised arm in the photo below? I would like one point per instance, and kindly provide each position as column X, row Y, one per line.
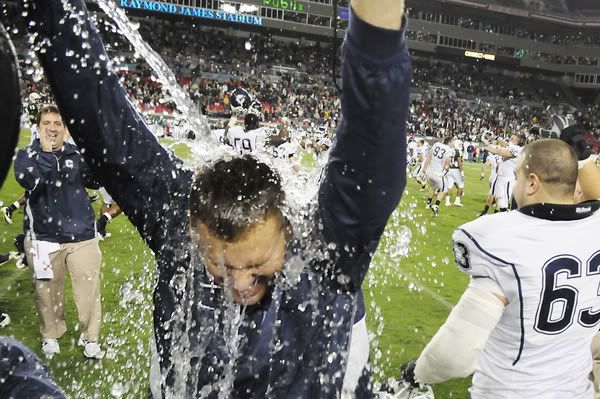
column 366, row 173
column 121, row 151
column 503, row 152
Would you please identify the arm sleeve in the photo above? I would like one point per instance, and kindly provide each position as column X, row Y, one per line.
column 23, row 374
column 366, row 172
column 88, row 178
column 471, row 258
column 120, row 149
column 514, row 150
column 454, row 350
column 27, row 172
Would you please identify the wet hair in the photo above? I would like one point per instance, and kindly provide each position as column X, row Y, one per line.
column 251, row 122
column 232, row 195
column 46, row 109
column 555, row 164
column 448, row 139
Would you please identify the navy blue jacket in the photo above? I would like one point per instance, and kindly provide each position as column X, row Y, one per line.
column 58, row 207
column 23, row 374
column 296, row 339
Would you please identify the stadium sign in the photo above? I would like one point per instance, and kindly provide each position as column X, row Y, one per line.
column 476, row 54
column 291, row 5
column 219, row 15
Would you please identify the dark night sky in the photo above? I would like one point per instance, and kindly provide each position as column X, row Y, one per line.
column 584, row 4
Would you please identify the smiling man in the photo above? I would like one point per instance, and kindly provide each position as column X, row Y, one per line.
column 225, row 243
column 60, row 233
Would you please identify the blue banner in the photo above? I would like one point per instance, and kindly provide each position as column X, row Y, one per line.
column 344, row 13
column 205, row 13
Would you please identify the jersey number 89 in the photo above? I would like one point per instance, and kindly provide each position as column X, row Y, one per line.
column 566, row 295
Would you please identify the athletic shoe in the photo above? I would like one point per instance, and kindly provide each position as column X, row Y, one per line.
column 7, row 213
column 4, row 258
column 435, row 209
column 448, row 202
column 11, row 255
column 93, row 197
column 457, row 202
column 50, row 347
column 92, row 350
column 428, row 206
column 4, row 320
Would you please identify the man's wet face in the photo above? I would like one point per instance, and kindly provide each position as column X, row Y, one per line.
column 248, row 265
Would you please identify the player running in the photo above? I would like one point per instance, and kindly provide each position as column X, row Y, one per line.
column 422, row 151
column 532, row 308
column 436, row 168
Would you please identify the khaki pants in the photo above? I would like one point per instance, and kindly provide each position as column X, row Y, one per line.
column 82, row 260
column 596, row 359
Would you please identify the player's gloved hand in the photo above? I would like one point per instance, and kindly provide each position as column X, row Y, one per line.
column 407, row 373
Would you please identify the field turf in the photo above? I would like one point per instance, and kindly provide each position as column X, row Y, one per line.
column 409, row 295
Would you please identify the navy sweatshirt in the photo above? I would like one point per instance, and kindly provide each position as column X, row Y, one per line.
column 296, row 339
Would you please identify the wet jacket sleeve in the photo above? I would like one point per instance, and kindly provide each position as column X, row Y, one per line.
column 366, row 173
column 89, row 180
column 27, row 171
column 23, row 374
column 120, row 149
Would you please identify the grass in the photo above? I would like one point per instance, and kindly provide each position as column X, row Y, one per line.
column 408, row 298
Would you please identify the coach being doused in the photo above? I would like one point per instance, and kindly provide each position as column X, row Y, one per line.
column 286, row 336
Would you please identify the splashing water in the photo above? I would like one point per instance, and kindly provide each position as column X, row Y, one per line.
column 166, row 77
column 300, row 191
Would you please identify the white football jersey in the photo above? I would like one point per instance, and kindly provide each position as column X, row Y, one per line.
column 546, row 261
column 507, row 168
column 219, row 135
column 247, row 142
column 439, row 154
column 418, row 151
column 412, row 150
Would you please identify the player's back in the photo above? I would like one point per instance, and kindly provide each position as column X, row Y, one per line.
column 439, row 153
column 548, row 267
column 246, row 142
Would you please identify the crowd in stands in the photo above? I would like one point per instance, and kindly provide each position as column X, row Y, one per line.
column 295, row 79
column 570, row 37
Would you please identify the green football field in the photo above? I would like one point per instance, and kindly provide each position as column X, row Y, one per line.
column 410, row 290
